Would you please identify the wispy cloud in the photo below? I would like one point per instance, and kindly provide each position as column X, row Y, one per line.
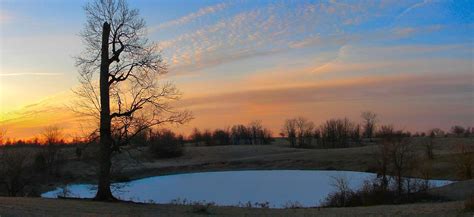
column 260, row 31
column 413, row 7
column 191, row 17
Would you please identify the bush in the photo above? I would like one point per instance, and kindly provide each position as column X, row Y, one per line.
column 465, row 161
column 373, row 193
column 165, row 144
column 202, row 207
column 14, row 173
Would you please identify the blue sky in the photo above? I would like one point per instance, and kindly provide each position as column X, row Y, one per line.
column 235, row 61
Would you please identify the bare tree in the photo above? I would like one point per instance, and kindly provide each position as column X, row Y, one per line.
column 458, row 130
column 52, row 136
column 428, row 143
column 128, row 97
column 304, row 131
column 337, row 133
column 403, row 159
column 13, row 170
column 3, row 133
column 436, row 132
column 465, row 161
column 196, row 136
column 255, row 128
column 289, row 130
column 382, row 157
column 240, row 135
column 370, row 120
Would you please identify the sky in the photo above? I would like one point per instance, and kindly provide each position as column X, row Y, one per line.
column 411, row 62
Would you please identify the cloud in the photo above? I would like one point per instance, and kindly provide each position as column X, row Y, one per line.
column 410, row 31
column 260, row 31
column 191, row 17
column 413, row 7
column 407, row 98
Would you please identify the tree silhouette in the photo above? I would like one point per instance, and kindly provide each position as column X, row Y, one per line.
column 370, row 119
column 128, row 98
column 3, row 133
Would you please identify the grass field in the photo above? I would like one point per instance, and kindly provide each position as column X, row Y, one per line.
column 243, row 157
column 51, row 207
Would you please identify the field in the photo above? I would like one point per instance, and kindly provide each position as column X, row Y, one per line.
column 50, row 207
column 244, row 157
column 276, row 156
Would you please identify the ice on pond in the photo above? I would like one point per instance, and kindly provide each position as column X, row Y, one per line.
column 277, row 187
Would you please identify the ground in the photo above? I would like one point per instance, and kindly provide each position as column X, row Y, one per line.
column 52, row 207
column 243, row 157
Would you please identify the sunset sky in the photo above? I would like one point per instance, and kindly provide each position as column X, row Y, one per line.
column 411, row 62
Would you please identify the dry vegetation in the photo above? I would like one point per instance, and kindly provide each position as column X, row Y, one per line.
column 50, row 207
column 447, row 158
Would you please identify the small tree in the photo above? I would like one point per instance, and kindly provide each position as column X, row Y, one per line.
column 52, row 136
column 196, row 137
column 240, row 135
column 14, row 164
column 207, row 137
column 337, row 133
column 221, row 137
column 289, row 130
column 403, row 159
column 458, row 130
column 255, row 129
column 3, row 133
column 165, row 144
column 436, row 132
column 429, row 146
column 467, row 132
column 304, row 131
column 382, row 157
column 465, row 162
column 370, row 120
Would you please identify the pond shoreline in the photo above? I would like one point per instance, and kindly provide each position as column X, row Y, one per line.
column 276, row 188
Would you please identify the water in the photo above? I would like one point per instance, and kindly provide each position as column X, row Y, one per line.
column 278, row 187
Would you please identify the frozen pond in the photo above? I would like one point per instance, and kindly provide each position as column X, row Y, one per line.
column 278, row 187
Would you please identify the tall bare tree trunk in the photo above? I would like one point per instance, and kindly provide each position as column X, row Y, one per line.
column 103, row 191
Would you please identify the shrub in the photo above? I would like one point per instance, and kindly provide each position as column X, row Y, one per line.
column 14, row 174
column 465, row 161
column 202, row 207
column 373, row 193
column 165, row 144
column 458, row 130
column 292, row 205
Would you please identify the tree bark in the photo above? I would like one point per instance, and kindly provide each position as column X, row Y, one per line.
column 103, row 191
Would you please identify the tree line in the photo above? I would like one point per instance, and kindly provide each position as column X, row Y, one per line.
column 253, row 134
column 342, row 132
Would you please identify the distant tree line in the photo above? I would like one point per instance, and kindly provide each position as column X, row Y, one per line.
column 252, row 134
column 342, row 132
column 333, row 133
column 300, row 133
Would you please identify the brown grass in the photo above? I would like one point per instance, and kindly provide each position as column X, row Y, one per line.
column 53, row 207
